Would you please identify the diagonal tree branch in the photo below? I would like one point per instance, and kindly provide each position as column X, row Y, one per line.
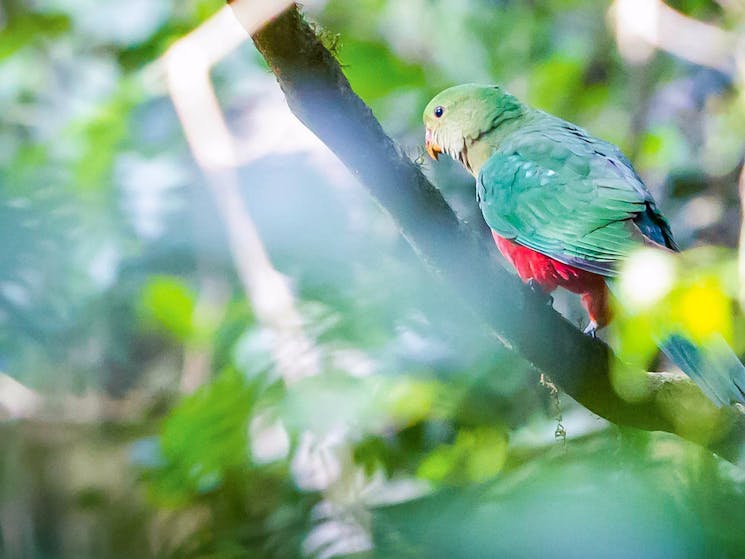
column 320, row 96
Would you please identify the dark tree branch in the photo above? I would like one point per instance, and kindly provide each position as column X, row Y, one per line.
column 320, row 96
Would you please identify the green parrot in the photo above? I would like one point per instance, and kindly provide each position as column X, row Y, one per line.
column 565, row 209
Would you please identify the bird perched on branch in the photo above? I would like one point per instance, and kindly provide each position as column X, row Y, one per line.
column 565, row 209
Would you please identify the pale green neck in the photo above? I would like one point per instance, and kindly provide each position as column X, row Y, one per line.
column 478, row 151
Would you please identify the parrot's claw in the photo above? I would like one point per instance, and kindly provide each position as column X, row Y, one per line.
column 536, row 288
column 592, row 329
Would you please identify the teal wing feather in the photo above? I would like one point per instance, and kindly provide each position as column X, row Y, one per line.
column 555, row 189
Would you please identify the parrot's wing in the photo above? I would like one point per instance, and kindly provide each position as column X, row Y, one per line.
column 569, row 196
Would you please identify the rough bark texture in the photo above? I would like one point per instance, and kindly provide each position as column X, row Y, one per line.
column 320, row 96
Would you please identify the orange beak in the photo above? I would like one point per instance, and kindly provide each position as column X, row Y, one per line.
column 432, row 148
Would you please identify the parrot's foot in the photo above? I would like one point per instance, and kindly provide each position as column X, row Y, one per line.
column 592, row 329
column 536, row 288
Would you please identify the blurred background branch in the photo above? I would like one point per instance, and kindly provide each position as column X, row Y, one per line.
column 321, row 463
column 644, row 25
column 188, row 64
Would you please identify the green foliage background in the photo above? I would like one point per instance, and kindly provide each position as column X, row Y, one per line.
column 421, row 437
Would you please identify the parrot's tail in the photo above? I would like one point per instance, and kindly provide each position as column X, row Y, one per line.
column 713, row 366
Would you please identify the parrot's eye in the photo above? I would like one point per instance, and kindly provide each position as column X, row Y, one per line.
column 438, row 111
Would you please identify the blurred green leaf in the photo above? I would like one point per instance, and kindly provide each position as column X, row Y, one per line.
column 30, row 28
column 554, row 82
column 374, row 71
column 204, row 437
column 476, row 455
column 101, row 138
column 168, row 302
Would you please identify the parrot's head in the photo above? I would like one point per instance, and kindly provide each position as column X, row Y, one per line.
column 460, row 115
